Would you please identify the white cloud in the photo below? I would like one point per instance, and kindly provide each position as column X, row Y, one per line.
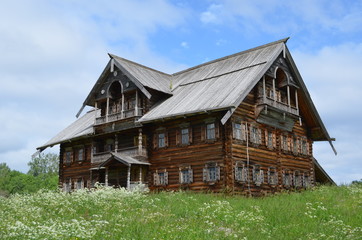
column 333, row 77
column 184, row 45
column 52, row 52
column 285, row 17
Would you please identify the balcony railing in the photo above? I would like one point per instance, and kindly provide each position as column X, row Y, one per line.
column 119, row 116
column 132, row 152
column 279, row 105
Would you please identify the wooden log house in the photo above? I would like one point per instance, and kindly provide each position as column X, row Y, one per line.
column 244, row 123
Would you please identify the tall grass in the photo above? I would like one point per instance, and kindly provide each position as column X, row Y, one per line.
column 320, row 213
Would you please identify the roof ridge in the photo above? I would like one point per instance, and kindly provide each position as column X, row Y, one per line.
column 138, row 64
column 232, row 55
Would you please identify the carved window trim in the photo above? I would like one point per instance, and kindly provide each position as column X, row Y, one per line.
column 160, row 177
column 185, row 175
column 211, row 172
column 272, row 176
column 258, row 175
column 241, row 172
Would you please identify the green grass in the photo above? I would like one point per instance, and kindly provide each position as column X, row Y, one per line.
column 320, row 213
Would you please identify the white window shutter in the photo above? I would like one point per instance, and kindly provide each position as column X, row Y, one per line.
column 236, row 173
column 218, row 173
column 180, row 176
column 243, row 132
column 204, row 174
column 259, row 136
column 155, row 179
column 191, row 172
column 166, row 178
column 234, row 130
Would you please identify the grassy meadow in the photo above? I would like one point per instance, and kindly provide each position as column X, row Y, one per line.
column 106, row 213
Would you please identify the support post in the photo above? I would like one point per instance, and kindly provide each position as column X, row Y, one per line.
column 288, row 94
column 264, row 91
column 274, row 92
column 140, row 174
column 106, row 180
column 140, row 149
column 107, row 109
column 115, row 142
column 122, row 111
column 136, row 107
column 128, row 177
column 296, row 101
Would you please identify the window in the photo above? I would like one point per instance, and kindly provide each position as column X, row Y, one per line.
column 306, row 180
column 160, row 178
column 284, row 143
column 79, row 184
column 241, row 172
column 272, row 176
column 185, row 136
column 211, row 173
column 67, row 185
column 239, row 131
column 304, row 147
column 68, row 157
column 258, row 175
column 270, row 140
column 186, row 175
column 287, row 178
column 295, row 145
column 297, row 179
column 255, row 135
column 161, row 140
column 210, row 131
column 80, row 154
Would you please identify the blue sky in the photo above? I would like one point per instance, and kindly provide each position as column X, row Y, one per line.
column 52, row 52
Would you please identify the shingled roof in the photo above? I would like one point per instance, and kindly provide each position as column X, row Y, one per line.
column 218, row 85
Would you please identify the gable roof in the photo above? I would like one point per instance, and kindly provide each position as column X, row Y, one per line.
column 217, row 85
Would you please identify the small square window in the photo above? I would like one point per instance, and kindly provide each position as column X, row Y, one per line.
column 210, row 131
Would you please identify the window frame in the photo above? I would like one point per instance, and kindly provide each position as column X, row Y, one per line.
column 211, row 132
column 210, row 177
column 161, row 142
column 160, row 178
column 272, row 176
column 185, row 138
column 241, row 172
column 68, row 157
column 258, row 175
column 185, row 175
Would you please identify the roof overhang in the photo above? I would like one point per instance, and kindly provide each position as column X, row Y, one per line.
column 124, row 159
column 321, row 175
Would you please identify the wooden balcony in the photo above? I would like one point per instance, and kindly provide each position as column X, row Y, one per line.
column 119, row 116
column 278, row 105
column 132, row 152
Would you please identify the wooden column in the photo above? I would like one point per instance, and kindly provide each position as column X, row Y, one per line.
column 122, row 108
column 296, row 100
column 106, row 180
column 264, row 90
column 140, row 149
column 115, row 142
column 136, row 107
column 129, row 177
column 288, row 95
column 140, row 174
column 107, row 109
column 274, row 92
column 96, row 105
